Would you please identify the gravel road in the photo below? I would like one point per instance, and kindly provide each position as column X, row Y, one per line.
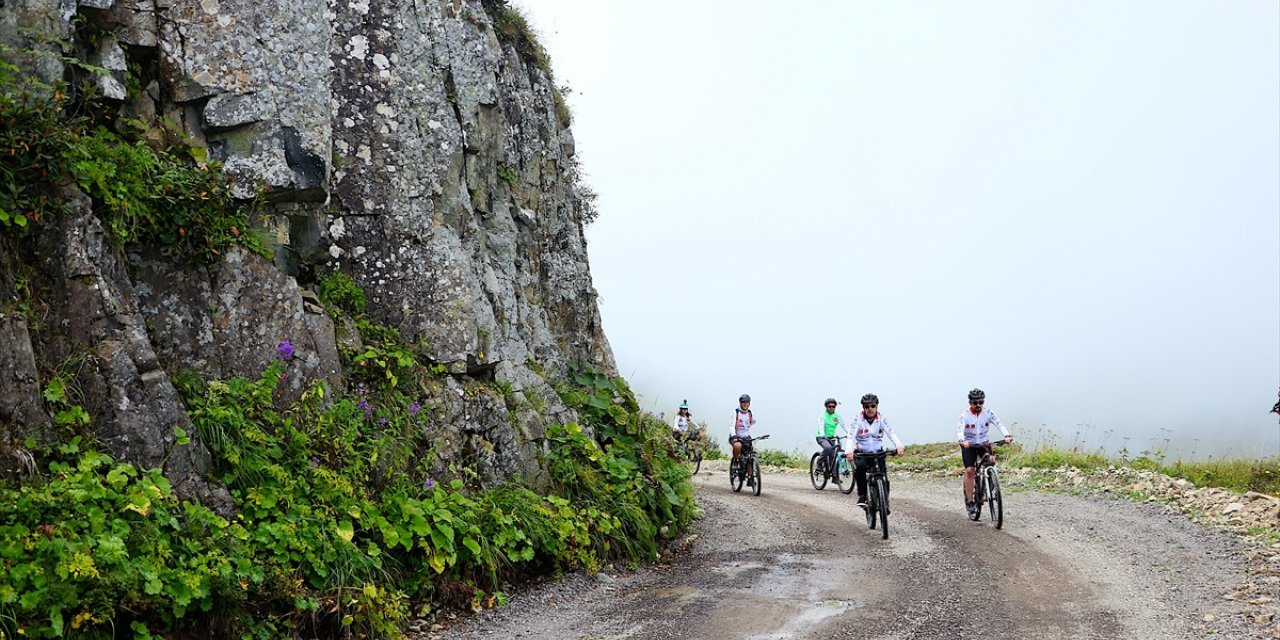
column 800, row 563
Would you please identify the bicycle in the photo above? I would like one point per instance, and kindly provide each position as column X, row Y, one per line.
column 820, row 465
column 986, row 486
column 745, row 465
column 691, row 451
column 877, row 491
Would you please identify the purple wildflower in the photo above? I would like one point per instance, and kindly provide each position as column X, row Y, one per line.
column 315, row 462
column 429, row 484
column 284, row 350
column 382, row 422
column 414, row 409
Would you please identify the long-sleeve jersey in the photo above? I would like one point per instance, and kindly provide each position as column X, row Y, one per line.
column 682, row 423
column 868, row 436
column 973, row 427
column 742, row 421
column 830, row 425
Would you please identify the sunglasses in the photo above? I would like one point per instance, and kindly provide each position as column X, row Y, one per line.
column 977, row 403
column 869, row 406
column 831, row 406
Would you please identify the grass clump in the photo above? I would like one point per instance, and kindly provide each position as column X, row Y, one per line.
column 338, row 290
column 777, row 458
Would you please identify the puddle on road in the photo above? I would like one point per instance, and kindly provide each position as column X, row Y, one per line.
column 780, row 599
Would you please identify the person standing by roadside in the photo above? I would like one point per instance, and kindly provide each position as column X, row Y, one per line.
column 868, row 432
column 829, row 423
column 971, row 431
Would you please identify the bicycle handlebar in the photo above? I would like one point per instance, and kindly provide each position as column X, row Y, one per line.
column 878, row 454
column 750, row 438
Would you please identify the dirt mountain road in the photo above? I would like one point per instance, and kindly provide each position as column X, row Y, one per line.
column 799, row 563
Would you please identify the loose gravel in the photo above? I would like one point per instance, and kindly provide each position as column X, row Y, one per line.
column 800, row 563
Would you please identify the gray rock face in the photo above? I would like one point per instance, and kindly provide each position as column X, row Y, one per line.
column 228, row 321
column 134, row 406
column 401, row 142
column 19, row 390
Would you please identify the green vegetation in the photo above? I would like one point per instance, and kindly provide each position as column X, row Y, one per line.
column 795, row 459
column 508, row 175
column 160, row 196
column 1261, row 475
column 340, row 526
column 338, row 290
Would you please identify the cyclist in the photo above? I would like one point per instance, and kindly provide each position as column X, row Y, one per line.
column 828, row 423
column 971, row 431
column 868, row 432
column 743, row 419
column 682, row 427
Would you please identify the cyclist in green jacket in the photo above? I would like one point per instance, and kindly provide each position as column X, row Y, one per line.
column 829, row 423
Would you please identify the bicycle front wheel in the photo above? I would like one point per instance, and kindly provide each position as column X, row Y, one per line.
column 871, row 509
column 736, row 476
column 697, row 462
column 816, row 470
column 755, row 469
column 844, row 475
column 979, row 496
column 995, row 500
column 882, row 505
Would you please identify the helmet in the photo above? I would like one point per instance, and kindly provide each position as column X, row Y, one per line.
column 684, row 405
column 977, row 394
column 871, row 398
column 744, row 398
column 829, row 401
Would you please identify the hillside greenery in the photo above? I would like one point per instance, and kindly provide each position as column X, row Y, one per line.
column 339, row 529
column 148, row 185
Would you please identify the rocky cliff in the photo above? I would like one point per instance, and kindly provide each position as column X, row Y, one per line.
column 418, row 146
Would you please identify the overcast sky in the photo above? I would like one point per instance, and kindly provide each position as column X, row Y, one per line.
column 1075, row 206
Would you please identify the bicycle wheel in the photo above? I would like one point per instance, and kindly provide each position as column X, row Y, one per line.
column 871, row 508
column 697, row 462
column 755, row 469
column 844, row 476
column 817, row 468
column 736, row 476
column 995, row 501
column 978, row 497
column 882, row 505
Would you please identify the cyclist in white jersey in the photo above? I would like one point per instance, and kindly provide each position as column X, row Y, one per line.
column 743, row 420
column 682, row 427
column 868, row 432
column 971, row 431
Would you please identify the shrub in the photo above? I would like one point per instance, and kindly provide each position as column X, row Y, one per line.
column 338, row 290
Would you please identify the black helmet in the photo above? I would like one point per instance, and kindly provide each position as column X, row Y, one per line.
column 744, row 398
column 977, row 394
column 829, row 401
column 871, row 398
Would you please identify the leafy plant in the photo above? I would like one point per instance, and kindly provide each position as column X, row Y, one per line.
column 340, row 291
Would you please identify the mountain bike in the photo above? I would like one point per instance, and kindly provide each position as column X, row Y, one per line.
column 986, row 486
column 691, row 451
column 877, row 491
column 745, row 467
column 820, row 469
